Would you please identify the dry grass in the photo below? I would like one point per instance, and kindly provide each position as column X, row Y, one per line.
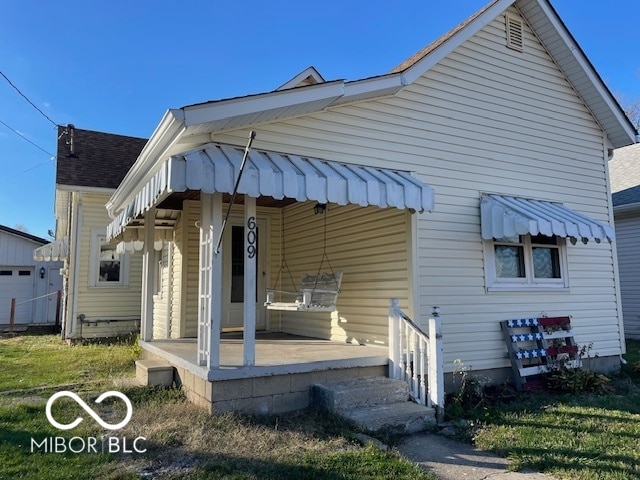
column 182, row 441
column 229, row 445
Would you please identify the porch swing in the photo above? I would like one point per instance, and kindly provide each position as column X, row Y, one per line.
column 317, row 293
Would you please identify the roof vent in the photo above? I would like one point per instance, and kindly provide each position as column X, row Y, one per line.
column 514, row 32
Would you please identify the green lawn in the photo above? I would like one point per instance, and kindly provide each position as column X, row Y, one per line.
column 44, row 360
column 181, row 441
column 577, row 436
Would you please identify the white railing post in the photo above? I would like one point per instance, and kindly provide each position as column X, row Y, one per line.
column 436, row 367
column 394, row 340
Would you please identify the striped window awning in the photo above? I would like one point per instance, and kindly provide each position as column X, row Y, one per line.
column 214, row 168
column 503, row 216
column 52, row 252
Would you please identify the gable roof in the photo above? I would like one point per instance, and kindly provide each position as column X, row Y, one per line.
column 191, row 126
column 411, row 61
column 98, row 159
column 309, row 76
column 19, row 233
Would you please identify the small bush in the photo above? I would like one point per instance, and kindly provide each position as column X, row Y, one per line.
column 566, row 380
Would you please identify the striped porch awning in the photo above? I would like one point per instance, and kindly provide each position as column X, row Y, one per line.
column 503, row 216
column 52, row 252
column 215, row 167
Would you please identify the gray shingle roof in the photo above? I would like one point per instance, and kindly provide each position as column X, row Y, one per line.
column 626, row 197
column 624, row 168
column 98, row 160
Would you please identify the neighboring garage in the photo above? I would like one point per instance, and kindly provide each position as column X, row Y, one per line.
column 33, row 284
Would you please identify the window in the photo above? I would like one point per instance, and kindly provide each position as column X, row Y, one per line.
column 24, row 273
column 526, row 262
column 108, row 267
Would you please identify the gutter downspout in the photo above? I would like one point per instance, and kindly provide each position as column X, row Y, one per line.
column 614, row 248
column 75, row 228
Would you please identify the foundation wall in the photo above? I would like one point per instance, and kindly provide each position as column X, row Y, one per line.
column 266, row 395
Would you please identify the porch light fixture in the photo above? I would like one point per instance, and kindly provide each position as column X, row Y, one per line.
column 42, row 272
column 319, row 208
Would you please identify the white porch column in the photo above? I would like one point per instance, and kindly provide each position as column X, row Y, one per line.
column 251, row 255
column 148, row 275
column 210, row 281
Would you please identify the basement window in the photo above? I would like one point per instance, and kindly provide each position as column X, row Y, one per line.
column 515, row 36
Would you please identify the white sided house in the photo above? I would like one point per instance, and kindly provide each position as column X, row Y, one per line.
column 31, row 285
column 101, row 286
column 624, row 169
column 472, row 177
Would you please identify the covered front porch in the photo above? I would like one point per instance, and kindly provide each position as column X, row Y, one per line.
column 233, row 236
column 280, row 381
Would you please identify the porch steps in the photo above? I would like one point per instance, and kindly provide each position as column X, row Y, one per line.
column 374, row 404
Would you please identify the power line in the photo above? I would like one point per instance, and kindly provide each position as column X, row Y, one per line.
column 34, row 167
column 25, row 138
column 27, row 99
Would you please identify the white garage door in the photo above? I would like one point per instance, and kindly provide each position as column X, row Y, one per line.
column 18, row 283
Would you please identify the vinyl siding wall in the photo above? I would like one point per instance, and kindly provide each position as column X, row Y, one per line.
column 121, row 305
column 177, row 276
column 485, row 119
column 162, row 300
column 628, row 243
column 369, row 245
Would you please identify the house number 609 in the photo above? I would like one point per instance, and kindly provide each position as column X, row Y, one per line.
column 251, row 237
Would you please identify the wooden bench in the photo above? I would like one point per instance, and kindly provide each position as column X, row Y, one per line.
column 318, row 293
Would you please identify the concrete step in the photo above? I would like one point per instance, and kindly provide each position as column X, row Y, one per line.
column 376, row 403
column 401, row 417
column 357, row 393
column 154, row 373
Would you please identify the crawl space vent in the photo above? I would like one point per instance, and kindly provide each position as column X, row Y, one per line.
column 514, row 33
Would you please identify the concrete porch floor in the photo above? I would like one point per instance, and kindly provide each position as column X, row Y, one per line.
column 276, row 354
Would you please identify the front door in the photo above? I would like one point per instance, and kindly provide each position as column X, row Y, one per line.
column 233, row 252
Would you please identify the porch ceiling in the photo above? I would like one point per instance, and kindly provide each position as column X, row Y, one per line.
column 278, row 176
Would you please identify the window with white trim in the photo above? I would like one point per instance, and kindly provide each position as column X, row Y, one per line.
column 108, row 268
column 526, row 262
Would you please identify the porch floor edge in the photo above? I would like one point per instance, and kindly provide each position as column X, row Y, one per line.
column 376, row 356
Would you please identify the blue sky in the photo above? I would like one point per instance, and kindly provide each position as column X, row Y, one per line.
column 117, row 66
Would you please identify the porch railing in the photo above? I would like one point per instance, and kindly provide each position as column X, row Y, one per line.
column 416, row 357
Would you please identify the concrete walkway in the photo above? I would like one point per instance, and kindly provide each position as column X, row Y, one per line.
column 451, row 460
